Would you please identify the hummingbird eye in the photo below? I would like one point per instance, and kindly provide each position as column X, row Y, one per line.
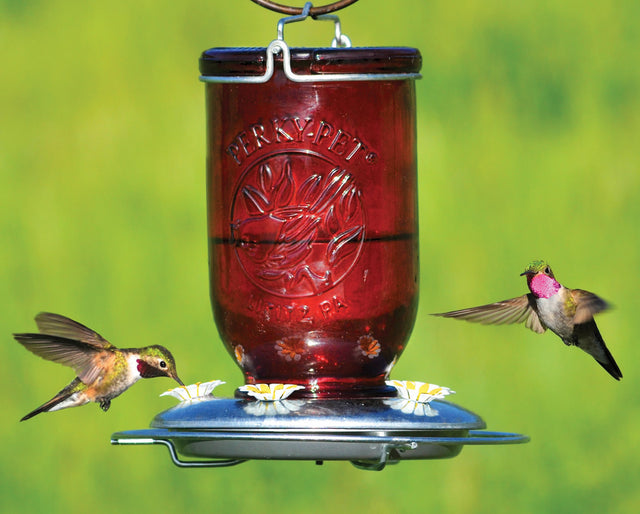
column 163, row 364
column 547, row 270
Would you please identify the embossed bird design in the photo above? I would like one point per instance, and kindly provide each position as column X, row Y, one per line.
column 279, row 235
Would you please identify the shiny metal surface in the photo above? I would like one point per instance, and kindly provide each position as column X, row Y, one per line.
column 370, row 452
column 370, row 433
column 369, row 415
column 278, row 45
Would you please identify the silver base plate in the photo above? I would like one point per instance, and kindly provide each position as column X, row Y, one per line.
column 370, row 433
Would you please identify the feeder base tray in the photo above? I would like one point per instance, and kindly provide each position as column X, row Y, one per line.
column 370, row 433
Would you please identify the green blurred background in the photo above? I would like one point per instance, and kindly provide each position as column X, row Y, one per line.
column 528, row 131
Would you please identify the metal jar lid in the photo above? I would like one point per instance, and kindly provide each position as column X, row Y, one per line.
column 340, row 62
column 256, row 65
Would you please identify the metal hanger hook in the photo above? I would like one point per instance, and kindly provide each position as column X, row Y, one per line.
column 340, row 39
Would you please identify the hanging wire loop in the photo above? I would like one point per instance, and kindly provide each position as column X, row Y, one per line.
column 340, row 39
column 279, row 46
column 315, row 11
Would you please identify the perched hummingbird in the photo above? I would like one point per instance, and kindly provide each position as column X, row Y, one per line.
column 566, row 312
column 103, row 370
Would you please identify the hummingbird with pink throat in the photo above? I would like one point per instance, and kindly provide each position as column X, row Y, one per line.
column 103, row 371
column 566, row 312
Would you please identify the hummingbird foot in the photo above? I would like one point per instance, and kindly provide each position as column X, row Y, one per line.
column 105, row 404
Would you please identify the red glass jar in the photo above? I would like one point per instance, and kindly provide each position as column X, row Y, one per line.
column 312, row 213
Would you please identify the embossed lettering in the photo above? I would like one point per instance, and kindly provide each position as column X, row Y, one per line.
column 288, row 311
column 294, row 130
column 306, row 318
column 268, row 311
column 330, row 307
column 279, row 131
column 355, row 149
column 339, row 142
column 339, row 303
column 325, row 308
column 271, row 311
column 324, row 130
column 294, row 312
column 233, row 150
column 258, row 132
column 300, row 129
column 245, row 144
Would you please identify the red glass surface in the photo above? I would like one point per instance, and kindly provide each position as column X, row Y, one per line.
column 313, row 234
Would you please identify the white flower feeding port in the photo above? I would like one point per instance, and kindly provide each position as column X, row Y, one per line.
column 193, row 392
column 270, row 392
column 370, row 433
column 313, row 250
column 416, row 397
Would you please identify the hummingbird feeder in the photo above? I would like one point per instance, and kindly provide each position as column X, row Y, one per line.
column 313, row 261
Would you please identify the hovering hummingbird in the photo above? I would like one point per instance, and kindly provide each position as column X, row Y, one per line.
column 103, row 370
column 566, row 312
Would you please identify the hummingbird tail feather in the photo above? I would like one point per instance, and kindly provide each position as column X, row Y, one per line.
column 45, row 407
column 68, row 397
column 591, row 342
column 610, row 364
column 605, row 359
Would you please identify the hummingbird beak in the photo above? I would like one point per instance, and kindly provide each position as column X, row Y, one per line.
column 527, row 272
column 175, row 377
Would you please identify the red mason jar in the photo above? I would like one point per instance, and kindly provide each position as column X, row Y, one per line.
column 312, row 212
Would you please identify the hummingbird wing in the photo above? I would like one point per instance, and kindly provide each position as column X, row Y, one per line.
column 587, row 304
column 515, row 310
column 87, row 360
column 61, row 326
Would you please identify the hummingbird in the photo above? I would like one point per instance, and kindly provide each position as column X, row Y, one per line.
column 103, row 371
column 566, row 312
